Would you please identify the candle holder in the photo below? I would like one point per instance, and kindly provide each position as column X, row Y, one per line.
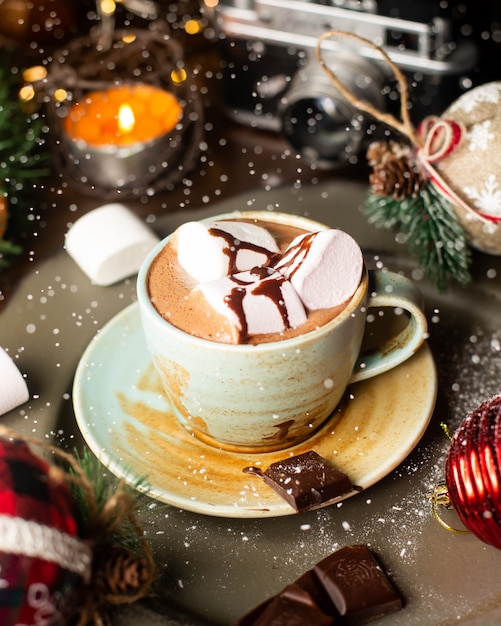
column 125, row 118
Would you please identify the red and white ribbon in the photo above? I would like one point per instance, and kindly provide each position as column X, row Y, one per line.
column 440, row 137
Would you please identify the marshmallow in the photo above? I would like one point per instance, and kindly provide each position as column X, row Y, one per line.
column 13, row 388
column 109, row 243
column 210, row 250
column 325, row 268
column 260, row 301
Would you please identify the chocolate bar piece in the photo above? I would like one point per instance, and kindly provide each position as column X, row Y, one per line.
column 357, row 586
column 315, row 594
column 348, row 587
column 293, row 607
column 306, row 481
column 309, row 583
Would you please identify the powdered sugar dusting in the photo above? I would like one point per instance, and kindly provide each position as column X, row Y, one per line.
column 393, row 518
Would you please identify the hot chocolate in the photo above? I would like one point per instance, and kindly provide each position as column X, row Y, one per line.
column 272, row 395
column 248, row 281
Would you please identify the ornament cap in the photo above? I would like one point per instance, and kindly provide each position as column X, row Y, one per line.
column 440, row 499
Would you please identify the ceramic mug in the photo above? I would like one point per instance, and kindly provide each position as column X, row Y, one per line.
column 269, row 396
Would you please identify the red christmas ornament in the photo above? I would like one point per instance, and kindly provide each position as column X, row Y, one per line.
column 42, row 560
column 66, row 543
column 473, row 472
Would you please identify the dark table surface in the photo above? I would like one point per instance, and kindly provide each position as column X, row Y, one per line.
column 216, row 569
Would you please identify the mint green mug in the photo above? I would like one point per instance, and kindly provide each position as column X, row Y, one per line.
column 270, row 396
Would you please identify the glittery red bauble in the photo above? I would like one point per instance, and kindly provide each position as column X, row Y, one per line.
column 473, row 472
column 42, row 560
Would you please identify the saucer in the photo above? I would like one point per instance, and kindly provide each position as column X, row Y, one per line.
column 126, row 420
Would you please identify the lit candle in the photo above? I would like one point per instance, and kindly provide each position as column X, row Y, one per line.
column 116, row 136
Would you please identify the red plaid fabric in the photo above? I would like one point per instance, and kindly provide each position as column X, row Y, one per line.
column 31, row 587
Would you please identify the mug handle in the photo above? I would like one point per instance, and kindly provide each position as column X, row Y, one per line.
column 388, row 289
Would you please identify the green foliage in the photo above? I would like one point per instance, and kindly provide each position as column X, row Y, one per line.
column 106, row 513
column 23, row 160
column 8, row 249
column 20, row 135
column 431, row 230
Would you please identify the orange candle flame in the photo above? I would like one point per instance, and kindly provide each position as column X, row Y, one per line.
column 126, row 119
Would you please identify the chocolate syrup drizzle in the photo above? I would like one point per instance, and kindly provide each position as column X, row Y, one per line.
column 271, row 289
column 234, row 246
column 291, row 260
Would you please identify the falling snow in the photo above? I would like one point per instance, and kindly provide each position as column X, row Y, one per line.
column 393, row 518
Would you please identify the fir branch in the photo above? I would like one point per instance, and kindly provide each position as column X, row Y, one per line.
column 20, row 140
column 106, row 525
column 432, row 232
column 8, row 249
column 24, row 160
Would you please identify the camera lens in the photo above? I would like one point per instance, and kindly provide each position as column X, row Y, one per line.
column 322, row 129
column 317, row 120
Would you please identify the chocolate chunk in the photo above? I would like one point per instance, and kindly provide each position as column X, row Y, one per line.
column 348, row 587
column 293, row 607
column 309, row 583
column 315, row 593
column 307, row 481
column 357, row 586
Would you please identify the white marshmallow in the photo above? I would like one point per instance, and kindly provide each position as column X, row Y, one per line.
column 265, row 315
column 255, row 302
column 207, row 255
column 109, row 243
column 325, row 268
column 13, row 388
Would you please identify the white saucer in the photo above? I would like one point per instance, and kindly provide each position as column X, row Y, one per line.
column 125, row 419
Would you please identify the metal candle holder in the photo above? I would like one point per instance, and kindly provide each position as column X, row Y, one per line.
column 135, row 58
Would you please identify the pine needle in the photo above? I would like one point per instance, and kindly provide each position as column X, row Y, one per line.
column 7, row 249
column 432, row 232
column 24, row 159
column 113, row 527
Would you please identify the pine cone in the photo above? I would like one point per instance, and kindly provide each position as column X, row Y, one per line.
column 395, row 171
column 121, row 572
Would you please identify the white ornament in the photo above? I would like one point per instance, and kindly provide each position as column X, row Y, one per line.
column 470, row 170
column 488, row 198
column 488, row 93
column 480, row 137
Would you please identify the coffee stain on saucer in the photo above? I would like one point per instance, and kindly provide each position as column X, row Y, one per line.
column 358, row 438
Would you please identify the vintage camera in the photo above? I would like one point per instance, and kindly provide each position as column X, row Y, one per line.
column 272, row 79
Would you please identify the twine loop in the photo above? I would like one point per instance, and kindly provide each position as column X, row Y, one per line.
column 437, row 139
column 404, row 125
